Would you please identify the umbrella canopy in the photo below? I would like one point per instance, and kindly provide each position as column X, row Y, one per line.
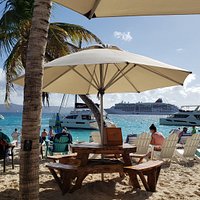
column 111, row 8
column 122, row 71
column 107, row 70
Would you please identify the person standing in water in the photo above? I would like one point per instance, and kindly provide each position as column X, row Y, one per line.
column 15, row 136
column 43, row 136
column 51, row 133
column 194, row 130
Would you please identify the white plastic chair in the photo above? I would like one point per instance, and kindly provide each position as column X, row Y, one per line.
column 190, row 148
column 167, row 149
column 142, row 143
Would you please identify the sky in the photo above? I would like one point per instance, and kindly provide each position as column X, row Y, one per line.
column 171, row 39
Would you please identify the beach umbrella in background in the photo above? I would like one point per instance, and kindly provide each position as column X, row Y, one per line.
column 107, row 70
column 113, row 8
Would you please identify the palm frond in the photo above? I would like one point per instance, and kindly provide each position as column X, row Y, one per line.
column 13, row 68
column 75, row 33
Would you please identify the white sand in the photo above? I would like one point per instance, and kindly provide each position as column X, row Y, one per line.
column 175, row 182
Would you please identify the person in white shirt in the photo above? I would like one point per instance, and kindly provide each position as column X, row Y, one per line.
column 15, row 136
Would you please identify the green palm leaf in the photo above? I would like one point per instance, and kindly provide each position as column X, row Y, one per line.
column 15, row 24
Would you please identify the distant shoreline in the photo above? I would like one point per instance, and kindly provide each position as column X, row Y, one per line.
column 15, row 108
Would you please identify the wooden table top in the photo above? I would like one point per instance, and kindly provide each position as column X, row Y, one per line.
column 98, row 148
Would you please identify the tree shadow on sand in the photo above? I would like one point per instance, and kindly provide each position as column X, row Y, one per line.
column 9, row 194
column 97, row 190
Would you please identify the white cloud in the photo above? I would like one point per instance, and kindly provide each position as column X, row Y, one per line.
column 189, row 94
column 189, row 79
column 125, row 36
column 179, row 50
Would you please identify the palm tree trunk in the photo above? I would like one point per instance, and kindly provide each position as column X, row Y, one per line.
column 29, row 160
column 93, row 108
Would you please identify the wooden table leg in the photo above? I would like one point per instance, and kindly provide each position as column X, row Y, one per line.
column 83, row 157
column 157, row 173
column 80, row 177
column 151, row 177
column 134, row 180
column 127, row 159
column 146, row 185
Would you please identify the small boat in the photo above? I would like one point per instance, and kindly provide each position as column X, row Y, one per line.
column 80, row 118
column 187, row 116
column 1, row 117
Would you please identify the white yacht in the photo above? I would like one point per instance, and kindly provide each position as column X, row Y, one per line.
column 187, row 116
column 1, row 117
column 80, row 118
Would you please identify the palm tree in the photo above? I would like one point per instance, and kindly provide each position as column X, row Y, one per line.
column 15, row 26
column 25, row 41
column 63, row 38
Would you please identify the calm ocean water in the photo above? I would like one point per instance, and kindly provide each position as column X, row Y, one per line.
column 129, row 124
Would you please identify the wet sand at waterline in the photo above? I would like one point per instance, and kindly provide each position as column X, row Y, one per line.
column 175, row 182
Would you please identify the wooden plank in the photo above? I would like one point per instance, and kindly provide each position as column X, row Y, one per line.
column 58, row 157
column 80, row 177
column 146, row 185
column 83, row 157
column 101, row 149
column 60, row 166
column 58, row 181
column 127, row 159
column 145, row 166
column 134, row 180
column 151, row 178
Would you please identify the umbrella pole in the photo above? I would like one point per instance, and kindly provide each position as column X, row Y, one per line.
column 102, row 129
column 102, row 120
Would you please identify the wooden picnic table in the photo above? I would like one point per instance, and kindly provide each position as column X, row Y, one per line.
column 84, row 150
column 87, row 166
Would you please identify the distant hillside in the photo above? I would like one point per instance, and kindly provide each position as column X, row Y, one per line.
column 18, row 108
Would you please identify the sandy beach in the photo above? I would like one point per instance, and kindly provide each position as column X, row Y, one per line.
column 175, row 182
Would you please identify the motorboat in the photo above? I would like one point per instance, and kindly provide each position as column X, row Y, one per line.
column 1, row 117
column 80, row 118
column 187, row 116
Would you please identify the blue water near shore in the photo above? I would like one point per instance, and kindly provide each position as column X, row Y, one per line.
column 129, row 124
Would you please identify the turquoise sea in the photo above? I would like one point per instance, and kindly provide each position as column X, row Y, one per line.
column 129, row 124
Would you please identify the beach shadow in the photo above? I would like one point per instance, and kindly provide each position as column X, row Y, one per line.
column 190, row 163
column 134, row 194
column 9, row 194
column 93, row 190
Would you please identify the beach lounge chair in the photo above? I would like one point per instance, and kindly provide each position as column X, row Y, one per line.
column 142, row 143
column 198, row 153
column 190, row 148
column 59, row 145
column 167, row 149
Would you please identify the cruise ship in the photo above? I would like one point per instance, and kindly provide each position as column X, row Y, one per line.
column 149, row 108
column 187, row 116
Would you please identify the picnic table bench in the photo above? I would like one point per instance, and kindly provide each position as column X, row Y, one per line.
column 151, row 169
column 84, row 166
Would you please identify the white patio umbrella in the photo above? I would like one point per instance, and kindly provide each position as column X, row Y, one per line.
column 112, row 8
column 107, row 70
